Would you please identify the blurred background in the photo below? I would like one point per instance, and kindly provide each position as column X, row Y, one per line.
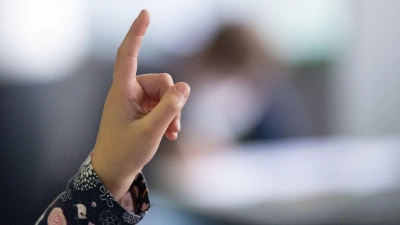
column 293, row 117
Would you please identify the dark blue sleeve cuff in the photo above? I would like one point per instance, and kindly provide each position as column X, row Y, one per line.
column 87, row 201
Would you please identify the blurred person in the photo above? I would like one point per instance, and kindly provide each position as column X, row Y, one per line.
column 241, row 91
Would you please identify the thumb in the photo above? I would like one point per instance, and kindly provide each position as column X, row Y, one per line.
column 170, row 105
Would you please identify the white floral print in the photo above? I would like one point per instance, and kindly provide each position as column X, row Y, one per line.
column 131, row 218
column 86, row 179
column 106, row 196
column 109, row 217
column 66, row 195
column 87, row 201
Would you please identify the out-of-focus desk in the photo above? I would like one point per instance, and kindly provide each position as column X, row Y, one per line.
column 298, row 181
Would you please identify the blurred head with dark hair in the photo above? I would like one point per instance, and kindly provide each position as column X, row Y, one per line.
column 238, row 49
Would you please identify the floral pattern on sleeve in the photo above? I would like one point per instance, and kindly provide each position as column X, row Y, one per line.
column 87, row 201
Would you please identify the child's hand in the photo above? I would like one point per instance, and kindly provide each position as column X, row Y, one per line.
column 138, row 111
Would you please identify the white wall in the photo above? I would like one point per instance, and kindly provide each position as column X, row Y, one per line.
column 366, row 87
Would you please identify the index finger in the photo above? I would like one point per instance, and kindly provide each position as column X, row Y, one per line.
column 126, row 64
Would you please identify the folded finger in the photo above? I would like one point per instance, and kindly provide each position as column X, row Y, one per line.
column 155, row 86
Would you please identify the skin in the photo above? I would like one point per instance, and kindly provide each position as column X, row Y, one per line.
column 138, row 111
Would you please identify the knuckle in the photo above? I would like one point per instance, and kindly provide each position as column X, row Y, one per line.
column 121, row 52
column 172, row 104
column 167, row 78
column 133, row 55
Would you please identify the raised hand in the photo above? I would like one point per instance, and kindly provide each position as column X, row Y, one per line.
column 138, row 111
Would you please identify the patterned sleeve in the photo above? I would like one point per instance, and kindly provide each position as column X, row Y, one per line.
column 86, row 201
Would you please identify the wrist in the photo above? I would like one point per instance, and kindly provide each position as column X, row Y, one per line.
column 116, row 181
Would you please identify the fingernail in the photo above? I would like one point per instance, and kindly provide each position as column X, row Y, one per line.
column 141, row 12
column 184, row 89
